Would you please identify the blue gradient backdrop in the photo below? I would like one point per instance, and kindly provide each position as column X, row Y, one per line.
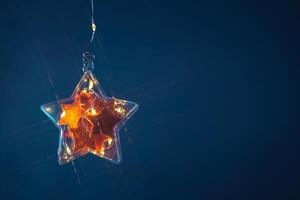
column 218, row 88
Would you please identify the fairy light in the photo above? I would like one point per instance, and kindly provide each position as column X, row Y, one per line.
column 109, row 141
column 68, row 149
column 91, row 84
column 48, row 109
column 63, row 114
column 102, row 151
column 93, row 111
column 94, row 27
column 119, row 107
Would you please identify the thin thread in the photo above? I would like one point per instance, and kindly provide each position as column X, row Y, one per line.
column 92, row 4
column 92, row 22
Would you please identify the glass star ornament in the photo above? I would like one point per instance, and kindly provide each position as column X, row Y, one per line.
column 89, row 121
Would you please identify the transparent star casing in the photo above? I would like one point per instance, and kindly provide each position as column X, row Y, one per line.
column 89, row 121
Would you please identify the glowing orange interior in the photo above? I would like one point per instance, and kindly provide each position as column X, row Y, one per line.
column 91, row 120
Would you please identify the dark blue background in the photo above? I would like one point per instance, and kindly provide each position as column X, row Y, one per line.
column 218, row 88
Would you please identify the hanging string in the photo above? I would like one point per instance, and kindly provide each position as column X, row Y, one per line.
column 92, row 22
column 87, row 57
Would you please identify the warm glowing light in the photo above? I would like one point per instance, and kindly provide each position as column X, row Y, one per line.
column 68, row 150
column 102, row 151
column 119, row 107
column 48, row 109
column 63, row 114
column 71, row 115
column 91, row 84
column 94, row 27
column 93, row 111
column 120, row 110
column 91, row 121
column 109, row 141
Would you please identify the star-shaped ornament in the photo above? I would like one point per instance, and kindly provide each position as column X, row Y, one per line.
column 89, row 121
